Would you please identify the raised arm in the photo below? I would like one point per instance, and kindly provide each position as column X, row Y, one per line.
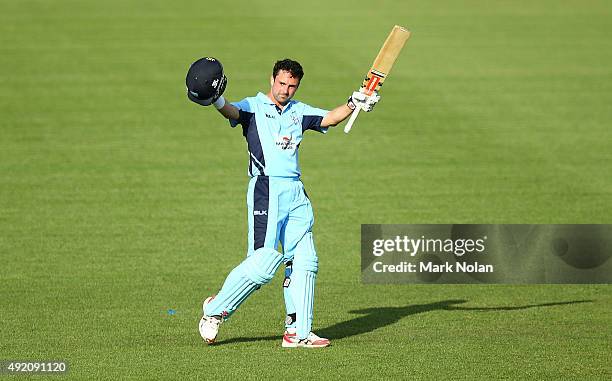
column 340, row 113
column 227, row 109
column 336, row 115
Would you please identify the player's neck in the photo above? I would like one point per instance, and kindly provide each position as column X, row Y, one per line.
column 279, row 105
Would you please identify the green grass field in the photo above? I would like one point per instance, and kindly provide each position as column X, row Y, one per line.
column 120, row 199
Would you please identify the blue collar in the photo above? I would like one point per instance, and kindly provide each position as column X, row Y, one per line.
column 263, row 98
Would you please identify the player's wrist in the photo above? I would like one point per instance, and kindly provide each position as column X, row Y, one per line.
column 351, row 104
column 219, row 103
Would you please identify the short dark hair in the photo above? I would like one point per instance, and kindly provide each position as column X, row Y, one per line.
column 289, row 65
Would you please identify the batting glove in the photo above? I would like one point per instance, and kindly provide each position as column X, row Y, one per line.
column 363, row 101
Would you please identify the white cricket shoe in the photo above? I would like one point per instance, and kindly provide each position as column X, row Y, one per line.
column 290, row 340
column 209, row 325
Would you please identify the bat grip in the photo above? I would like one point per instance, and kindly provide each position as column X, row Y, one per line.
column 351, row 120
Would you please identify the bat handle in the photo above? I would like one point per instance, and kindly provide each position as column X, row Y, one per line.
column 351, row 120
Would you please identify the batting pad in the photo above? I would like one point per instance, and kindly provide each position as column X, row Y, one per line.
column 256, row 270
column 302, row 293
column 302, row 285
column 260, row 266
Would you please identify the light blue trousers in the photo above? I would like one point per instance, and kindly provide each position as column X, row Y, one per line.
column 278, row 211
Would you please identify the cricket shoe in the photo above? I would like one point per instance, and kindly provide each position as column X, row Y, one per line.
column 209, row 325
column 291, row 340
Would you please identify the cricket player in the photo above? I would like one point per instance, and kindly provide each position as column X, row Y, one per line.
column 278, row 207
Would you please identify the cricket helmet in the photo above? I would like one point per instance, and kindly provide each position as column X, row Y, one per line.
column 205, row 81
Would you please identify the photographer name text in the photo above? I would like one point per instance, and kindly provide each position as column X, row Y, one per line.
column 430, row 267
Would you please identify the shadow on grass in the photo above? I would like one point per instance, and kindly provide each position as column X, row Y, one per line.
column 379, row 317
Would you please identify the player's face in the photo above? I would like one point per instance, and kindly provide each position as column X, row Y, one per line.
column 284, row 86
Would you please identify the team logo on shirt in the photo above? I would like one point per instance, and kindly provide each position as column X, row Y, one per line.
column 295, row 118
column 285, row 142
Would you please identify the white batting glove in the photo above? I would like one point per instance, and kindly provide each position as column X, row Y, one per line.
column 365, row 102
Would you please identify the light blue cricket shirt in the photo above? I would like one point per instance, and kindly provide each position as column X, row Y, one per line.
column 274, row 136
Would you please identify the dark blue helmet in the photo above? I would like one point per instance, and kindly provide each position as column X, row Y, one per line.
column 205, row 81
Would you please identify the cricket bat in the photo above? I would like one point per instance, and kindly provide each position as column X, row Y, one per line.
column 382, row 66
